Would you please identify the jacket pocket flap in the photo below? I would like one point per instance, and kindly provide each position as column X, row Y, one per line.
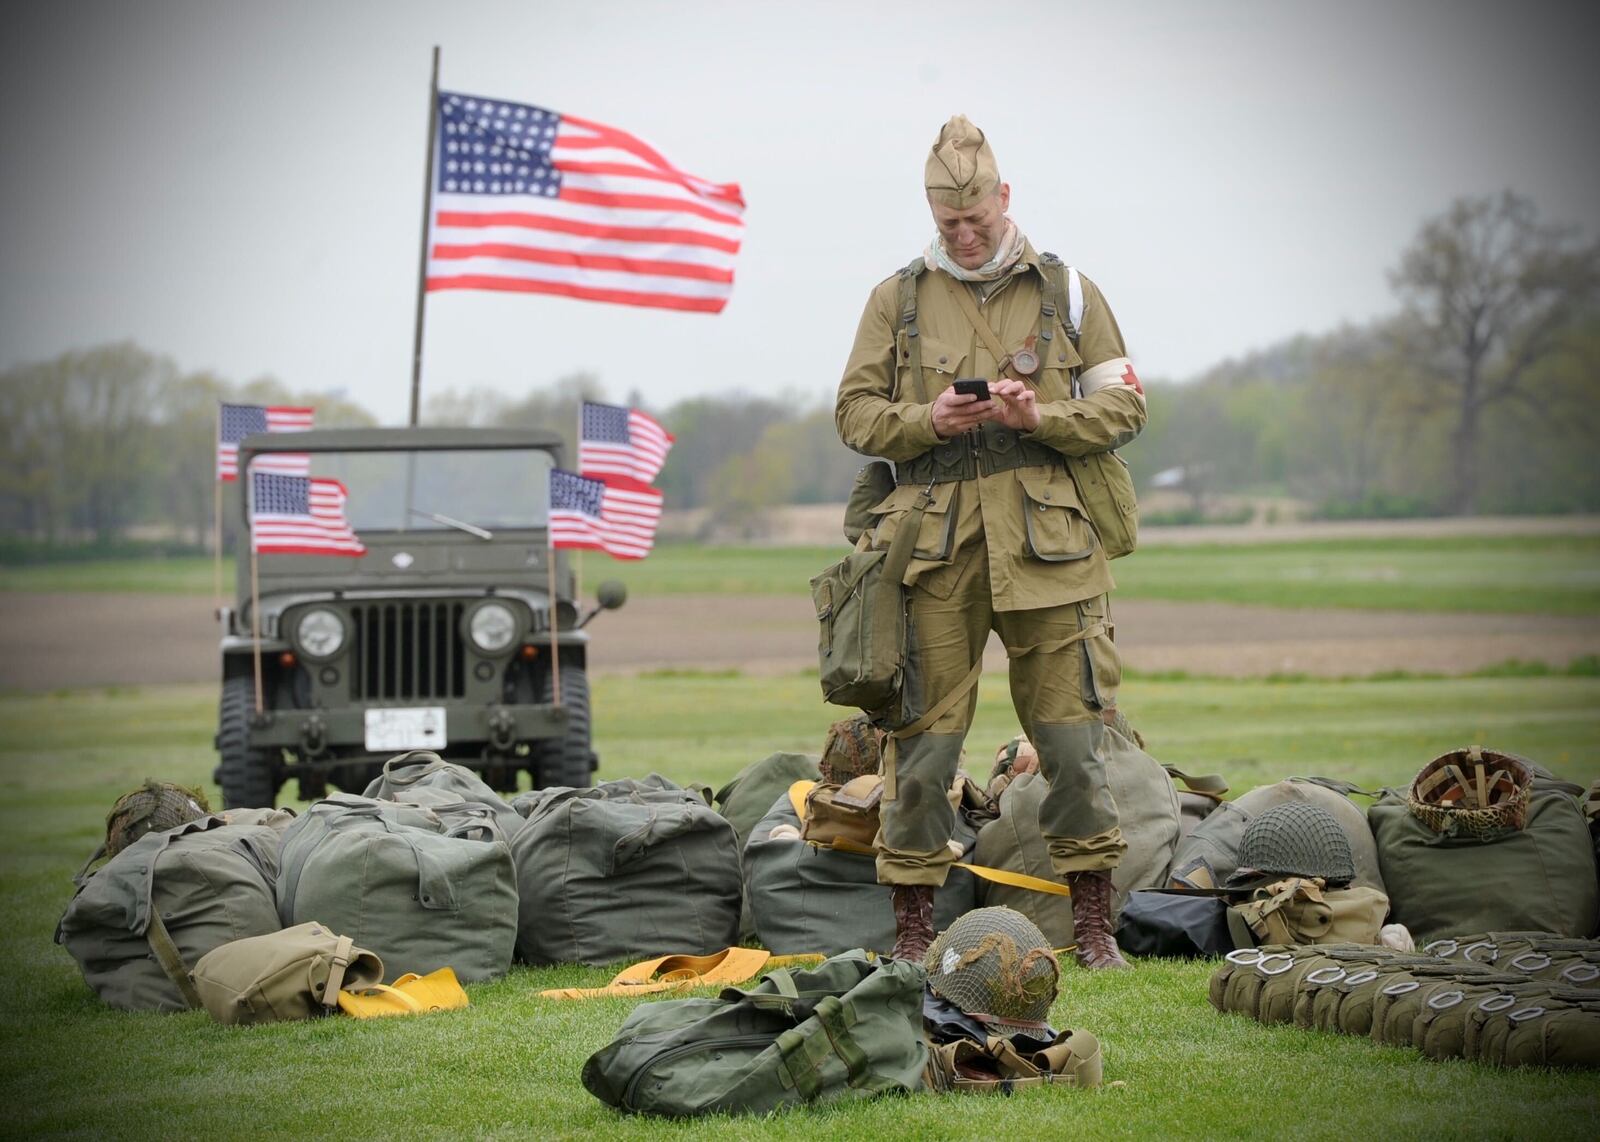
column 905, row 497
column 940, row 356
column 1050, row 488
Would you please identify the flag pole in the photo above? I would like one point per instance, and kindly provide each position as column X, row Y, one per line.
column 555, row 657
column 255, row 585
column 216, row 526
column 422, row 258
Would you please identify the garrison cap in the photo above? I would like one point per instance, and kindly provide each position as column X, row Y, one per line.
column 961, row 170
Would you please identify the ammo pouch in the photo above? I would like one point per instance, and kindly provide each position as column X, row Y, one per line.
column 843, row 816
column 861, row 607
column 1301, row 910
column 997, row 1066
column 292, row 974
column 873, row 483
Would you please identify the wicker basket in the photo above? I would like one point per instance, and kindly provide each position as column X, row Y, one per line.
column 1473, row 791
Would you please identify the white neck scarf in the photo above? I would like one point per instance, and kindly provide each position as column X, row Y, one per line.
column 1005, row 256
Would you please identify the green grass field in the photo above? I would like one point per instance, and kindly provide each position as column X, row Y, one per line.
column 508, row 1066
column 1555, row 575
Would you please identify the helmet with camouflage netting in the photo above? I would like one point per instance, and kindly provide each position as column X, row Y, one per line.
column 853, row 748
column 1297, row 838
column 154, row 807
column 995, row 965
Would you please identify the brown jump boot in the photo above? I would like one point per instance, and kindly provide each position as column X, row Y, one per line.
column 1091, row 920
column 913, row 921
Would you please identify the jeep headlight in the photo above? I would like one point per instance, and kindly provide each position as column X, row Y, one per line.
column 320, row 633
column 492, row 627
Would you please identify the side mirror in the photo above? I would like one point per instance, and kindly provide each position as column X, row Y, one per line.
column 610, row 595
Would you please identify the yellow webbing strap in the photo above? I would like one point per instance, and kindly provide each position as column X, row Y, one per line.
column 675, row 973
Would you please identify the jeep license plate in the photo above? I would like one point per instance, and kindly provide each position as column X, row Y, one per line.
column 419, row 727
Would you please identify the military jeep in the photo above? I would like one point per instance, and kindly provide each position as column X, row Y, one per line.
column 439, row 637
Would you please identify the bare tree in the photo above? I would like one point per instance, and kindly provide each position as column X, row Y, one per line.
column 1490, row 291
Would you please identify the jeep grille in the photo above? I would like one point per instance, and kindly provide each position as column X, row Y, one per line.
column 407, row 651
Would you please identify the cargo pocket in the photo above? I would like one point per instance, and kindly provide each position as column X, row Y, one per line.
column 941, row 364
column 935, row 538
column 1102, row 664
column 1057, row 530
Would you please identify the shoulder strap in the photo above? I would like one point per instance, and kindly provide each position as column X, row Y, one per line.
column 1062, row 281
column 908, row 322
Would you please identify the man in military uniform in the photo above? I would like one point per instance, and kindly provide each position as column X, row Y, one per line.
column 1004, row 543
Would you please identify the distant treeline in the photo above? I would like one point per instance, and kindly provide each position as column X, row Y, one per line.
column 1481, row 393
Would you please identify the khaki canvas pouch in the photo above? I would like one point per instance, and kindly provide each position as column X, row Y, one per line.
column 997, row 1067
column 292, row 974
column 843, row 816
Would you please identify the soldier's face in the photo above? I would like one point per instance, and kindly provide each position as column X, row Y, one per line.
column 973, row 235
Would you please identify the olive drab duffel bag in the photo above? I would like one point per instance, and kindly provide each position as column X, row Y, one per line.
column 1485, row 875
column 847, row 1029
column 398, row 880
column 1209, row 855
column 1150, row 818
column 807, row 898
column 622, row 871
column 745, row 799
column 139, row 923
column 423, row 769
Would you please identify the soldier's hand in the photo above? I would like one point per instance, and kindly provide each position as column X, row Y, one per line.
column 955, row 413
column 1016, row 405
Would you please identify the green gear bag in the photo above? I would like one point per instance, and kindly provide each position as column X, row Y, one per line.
column 1538, row 878
column 423, row 769
column 844, row 1030
column 622, row 872
column 1339, row 997
column 395, row 878
column 1535, row 955
column 1262, row 982
column 1560, row 1028
column 809, row 899
column 747, row 797
column 138, row 923
column 1150, row 817
column 1405, row 995
column 1440, row 1027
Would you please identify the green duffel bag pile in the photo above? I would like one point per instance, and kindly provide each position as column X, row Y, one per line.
column 1151, row 822
column 1444, row 1008
column 146, row 917
column 747, row 797
column 1560, row 960
column 1523, row 859
column 804, row 898
column 423, row 777
column 624, row 871
column 847, row 1029
column 396, row 878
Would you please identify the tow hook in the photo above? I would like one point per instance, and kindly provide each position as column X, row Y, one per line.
column 502, row 729
column 313, row 737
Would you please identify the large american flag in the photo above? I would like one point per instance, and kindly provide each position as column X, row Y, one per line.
column 297, row 515
column 617, row 441
column 240, row 420
column 535, row 201
column 590, row 514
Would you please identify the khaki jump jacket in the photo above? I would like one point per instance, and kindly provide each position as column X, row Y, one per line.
column 1027, row 522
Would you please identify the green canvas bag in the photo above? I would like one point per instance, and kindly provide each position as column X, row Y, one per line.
column 1560, row 1028
column 1338, row 997
column 1537, row 878
column 138, row 923
column 1150, row 817
column 844, row 1030
column 1439, row 1029
column 1534, row 955
column 292, row 974
column 809, row 899
column 423, row 769
column 745, row 799
column 1262, row 982
column 1210, row 853
column 622, row 872
column 395, row 878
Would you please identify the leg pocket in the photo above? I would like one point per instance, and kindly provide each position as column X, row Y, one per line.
column 1102, row 664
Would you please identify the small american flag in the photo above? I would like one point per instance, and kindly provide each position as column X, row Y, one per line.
column 588, row 513
column 616, row 441
column 299, row 515
column 531, row 200
column 240, row 420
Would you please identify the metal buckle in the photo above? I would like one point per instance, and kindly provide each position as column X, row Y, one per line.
column 1439, row 948
column 1525, row 1014
column 1321, row 976
column 1497, row 1003
column 1517, row 963
column 1245, row 957
column 1581, row 973
column 1494, row 951
column 1361, row 977
column 1288, row 962
column 1401, row 987
column 1439, row 1002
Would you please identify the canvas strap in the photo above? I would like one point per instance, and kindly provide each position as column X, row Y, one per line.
column 1207, row 784
column 890, row 746
column 170, row 959
column 337, row 964
column 963, row 298
column 1093, row 630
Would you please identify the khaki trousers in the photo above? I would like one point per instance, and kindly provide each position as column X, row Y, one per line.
column 1064, row 669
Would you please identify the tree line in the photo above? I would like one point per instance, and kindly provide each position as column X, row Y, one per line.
column 1477, row 394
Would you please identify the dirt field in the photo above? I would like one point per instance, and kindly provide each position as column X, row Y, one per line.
column 50, row 642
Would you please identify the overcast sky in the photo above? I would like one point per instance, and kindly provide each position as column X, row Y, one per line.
column 239, row 185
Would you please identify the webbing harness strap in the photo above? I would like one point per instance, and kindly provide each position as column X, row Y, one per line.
column 336, row 970
column 1093, row 630
column 170, row 959
column 940, row 708
column 908, row 322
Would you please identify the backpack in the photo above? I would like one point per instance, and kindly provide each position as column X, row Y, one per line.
column 139, row 923
column 844, row 1030
column 398, row 880
column 1150, row 817
column 1209, row 855
column 624, row 870
column 1540, row 877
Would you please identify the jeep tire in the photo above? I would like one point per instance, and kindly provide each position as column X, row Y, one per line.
column 567, row 760
column 249, row 777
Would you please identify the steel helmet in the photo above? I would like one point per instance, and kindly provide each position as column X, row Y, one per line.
column 995, row 965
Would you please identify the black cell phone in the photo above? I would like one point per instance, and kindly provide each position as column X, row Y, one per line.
column 973, row 387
